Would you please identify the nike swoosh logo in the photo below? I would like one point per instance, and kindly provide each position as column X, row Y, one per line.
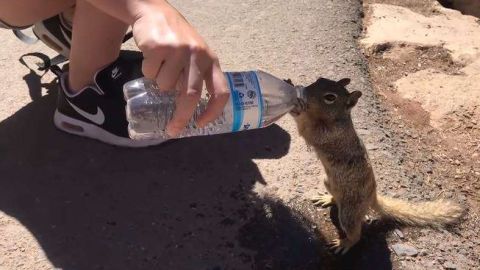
column 116, row 73
column 97, row 118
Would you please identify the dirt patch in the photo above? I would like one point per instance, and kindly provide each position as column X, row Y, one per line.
column 25, row 252
column 420, row 78
column 392, row 62
column 444, row 95
column 442, row 80
column 441, row 164
column 435, row 81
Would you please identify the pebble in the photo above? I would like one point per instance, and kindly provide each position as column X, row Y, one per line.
column 449, row 265
column 399, row 233
column 404, row 250
column 372, row 146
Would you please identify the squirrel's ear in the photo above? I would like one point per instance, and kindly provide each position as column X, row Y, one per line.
column 344, row 82
column 288, row 81
column 353, row 98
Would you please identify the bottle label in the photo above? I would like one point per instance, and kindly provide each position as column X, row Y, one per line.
column 246, row 99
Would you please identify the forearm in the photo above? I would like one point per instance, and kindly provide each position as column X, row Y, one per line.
column 130, row 10
column 26, row 12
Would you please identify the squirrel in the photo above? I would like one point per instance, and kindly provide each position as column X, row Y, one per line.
column 323, row 118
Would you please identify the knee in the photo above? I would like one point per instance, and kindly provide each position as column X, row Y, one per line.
column 6, row 25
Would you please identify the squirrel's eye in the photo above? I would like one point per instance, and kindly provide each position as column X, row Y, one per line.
column 329, row 98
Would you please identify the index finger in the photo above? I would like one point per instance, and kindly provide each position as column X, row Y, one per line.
column 190, row 90
column 219, row 94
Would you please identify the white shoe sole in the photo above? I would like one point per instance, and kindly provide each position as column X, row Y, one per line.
column 76, row 127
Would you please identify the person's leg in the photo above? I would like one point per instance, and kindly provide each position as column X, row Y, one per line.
column 97, row 38
column 20, row 13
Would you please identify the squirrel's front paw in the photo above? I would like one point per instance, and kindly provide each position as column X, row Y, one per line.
column 300, row 106
column 295, row 112
column 323, row 200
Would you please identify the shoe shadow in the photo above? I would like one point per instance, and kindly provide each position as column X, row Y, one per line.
column 33, row 79
column 188, row 204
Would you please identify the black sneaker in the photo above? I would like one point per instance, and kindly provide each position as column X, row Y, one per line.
column 98, row 111
column 56, row 33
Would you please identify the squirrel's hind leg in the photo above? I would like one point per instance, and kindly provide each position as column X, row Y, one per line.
column 351, row 222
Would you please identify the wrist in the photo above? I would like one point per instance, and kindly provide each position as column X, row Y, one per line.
column 129, row 11
column 140, row 9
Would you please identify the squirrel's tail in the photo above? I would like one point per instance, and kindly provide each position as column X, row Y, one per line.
column 428, row 214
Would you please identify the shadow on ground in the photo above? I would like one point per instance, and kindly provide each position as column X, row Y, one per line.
column 467, row 7
column 182, row 205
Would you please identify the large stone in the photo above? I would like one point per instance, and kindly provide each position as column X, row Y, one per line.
column 405, row 250
column 440, row 94
column 449, row 29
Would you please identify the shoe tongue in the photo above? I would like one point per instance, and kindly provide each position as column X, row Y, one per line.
column 126, row 68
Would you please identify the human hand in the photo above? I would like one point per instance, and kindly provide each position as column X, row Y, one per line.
column 177, row 57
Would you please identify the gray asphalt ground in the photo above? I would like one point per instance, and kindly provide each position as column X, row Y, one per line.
column 222, row 202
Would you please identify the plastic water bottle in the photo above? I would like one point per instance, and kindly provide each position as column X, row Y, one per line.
column 257, row 100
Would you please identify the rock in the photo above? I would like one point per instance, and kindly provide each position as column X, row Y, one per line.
column 404, row 250
column 449, row 265
column 372, row 146
column 441, row 93
column 399, row 233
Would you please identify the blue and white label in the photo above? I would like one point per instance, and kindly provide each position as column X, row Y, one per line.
column 247, row 100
